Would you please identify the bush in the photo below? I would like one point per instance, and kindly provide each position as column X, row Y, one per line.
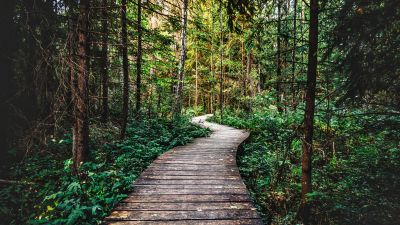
column 48, row 193
column 355, row 181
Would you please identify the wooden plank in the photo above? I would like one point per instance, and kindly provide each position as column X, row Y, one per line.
column 192, row 173
column 193, row 191
column 205, row 177
column 200, row 151
column 197, row 160
column 192, row 167
column 185, row 206
column 182, row 215
column 196, row 157
column 187, row 198
column 189, row 222
column 180, row 169
column 189, row 182
column 214, row 162
column 188, row 186
column 201, row 156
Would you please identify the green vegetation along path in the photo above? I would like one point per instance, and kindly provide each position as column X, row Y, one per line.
column 198, row 183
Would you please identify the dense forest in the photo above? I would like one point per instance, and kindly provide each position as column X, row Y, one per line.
column 92, row 91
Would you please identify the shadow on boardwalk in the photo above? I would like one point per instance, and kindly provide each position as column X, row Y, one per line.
column 198, row 183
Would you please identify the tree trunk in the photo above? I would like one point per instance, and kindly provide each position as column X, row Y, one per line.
column 212, row 66
column 306, row 184
column 242, row 70
column 197, row 77
column 125, row 69
column 181, row 71
column 260, row 72
column 221, row 96
column 302, row 18
column 261, row 78
column 248, row 71
column 279, row 60
column 294, row 55
column 80, row 94
column 139, row 59
column 104, row 63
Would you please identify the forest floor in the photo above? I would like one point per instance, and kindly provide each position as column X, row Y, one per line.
column 354, row 183
column 198, row 183
column 49, row 193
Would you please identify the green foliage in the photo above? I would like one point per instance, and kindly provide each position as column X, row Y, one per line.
column 370, row 71
column 48, row 193
column 355, row 166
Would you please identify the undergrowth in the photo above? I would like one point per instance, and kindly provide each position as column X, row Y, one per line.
column 48, row 193
column 356, row 166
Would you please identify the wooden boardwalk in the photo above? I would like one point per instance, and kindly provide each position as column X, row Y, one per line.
column 198, row 183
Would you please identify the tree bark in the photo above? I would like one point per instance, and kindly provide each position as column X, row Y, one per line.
column 262, row 76
column 294, row 54
column 181, row 69
column 125, row 69
column 104, row 63
column 197, row 77
column 302, row 42
column 307, row 146
column 139, row 60
column 243, row 70
column 279, row 59
column 221, row 95
column 248, row 71
column 212, row 66
column 80, row 95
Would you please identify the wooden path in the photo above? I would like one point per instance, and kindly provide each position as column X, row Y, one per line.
column 198, row 183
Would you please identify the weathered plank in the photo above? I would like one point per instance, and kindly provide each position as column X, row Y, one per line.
column 194, row 167
column 137, row 215
column 192, row 191
column 192, row 173
column 191, row 222
column 158, row 198
column 198, row 183
column 190, row 182
column 185, row 206
column 188, row 186
column 197, row 177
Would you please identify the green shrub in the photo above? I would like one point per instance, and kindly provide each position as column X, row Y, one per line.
column 48, row 193
column 354, row 182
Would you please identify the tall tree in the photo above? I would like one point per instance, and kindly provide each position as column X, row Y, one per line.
column 249, row 62
column 139, row 58
column 212, row 65
column 221, row 96
column 294, row 53
column 125, row 69
column 279, row 58
column 80, row 95
column 197, row 78
column 260, row 70
column 243, row 73
column 104, row 62
column 306, row 185
column 181, row 69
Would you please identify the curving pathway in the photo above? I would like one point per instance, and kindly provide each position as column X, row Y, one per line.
column 198, row 183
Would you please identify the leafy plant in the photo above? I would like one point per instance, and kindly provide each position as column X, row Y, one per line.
column 48, row 193
column 355, row 182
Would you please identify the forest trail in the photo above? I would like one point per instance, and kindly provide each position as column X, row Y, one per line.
column 198, row 183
